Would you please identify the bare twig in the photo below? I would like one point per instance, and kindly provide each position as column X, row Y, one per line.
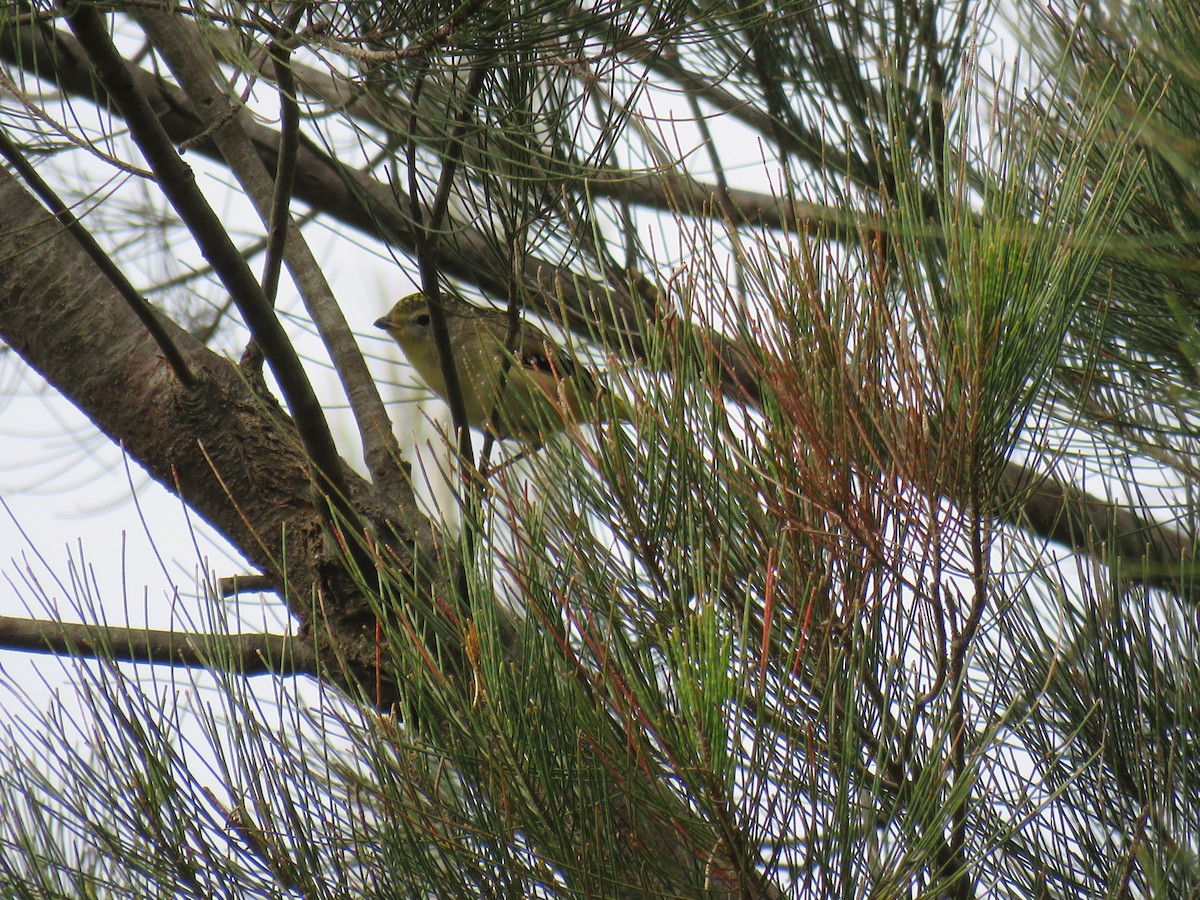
column 66, row 134
column 244, row 584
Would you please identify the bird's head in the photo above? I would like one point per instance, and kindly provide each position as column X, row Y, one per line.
column 408, row 321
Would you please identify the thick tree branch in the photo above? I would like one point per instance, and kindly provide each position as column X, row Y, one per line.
column 245, row 654
column 1149, row 552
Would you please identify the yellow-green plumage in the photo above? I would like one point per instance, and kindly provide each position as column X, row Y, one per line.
column 543, row 386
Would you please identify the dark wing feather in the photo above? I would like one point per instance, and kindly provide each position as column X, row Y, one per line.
column 536, row 352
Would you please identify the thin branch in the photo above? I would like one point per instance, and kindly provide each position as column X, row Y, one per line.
column 56, row 127
column 178, row 183
column 245, row 654
column 279, row 219
column 245, row 584
column 285, row 165
column 955, row 866
column 380, row 448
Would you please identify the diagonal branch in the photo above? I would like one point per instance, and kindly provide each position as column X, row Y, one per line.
column 177, row 182
column 1149, row 552
column 379, row 442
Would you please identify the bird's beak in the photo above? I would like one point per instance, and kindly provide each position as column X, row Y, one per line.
column 382, row 322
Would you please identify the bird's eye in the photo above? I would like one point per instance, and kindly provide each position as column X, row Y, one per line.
column 422, row 320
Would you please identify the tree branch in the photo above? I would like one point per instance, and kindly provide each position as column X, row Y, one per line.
column 1149, row 552
column 245, row 654
column 279, row 223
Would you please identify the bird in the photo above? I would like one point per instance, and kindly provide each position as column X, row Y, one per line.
column 540, row 390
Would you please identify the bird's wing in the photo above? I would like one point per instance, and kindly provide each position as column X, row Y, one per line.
column 537, row 352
